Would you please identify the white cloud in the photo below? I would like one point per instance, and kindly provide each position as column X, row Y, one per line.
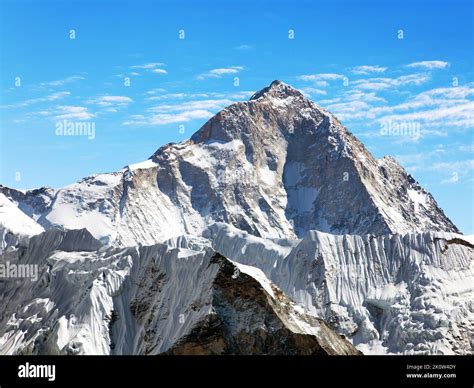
column 191, row 105
column 107, row 101
column 239, row 96
column 329, row 101
column 245, row 47
column 234, row 96
column 436, row 112
column 321, row 84
column 51, row 97
column 454, row 166
column 452, row 180
column 159, row 71
column 458, row 115
column 310, row 91
column 154, row 91
column 429, row 65
column 153, row 67
column 366, row 69
column 359, row 95
column 63, row 81
column 167, row 96
column 166, row 118
column 70, row 112
column 185, row 111
column 467, row 148
column 148, row 66
column 452, row 92
column 391, row 83
column 180, row 117
column 219, row 72
column 442, row 97
column 421, row 157
column 349, row 109
column 428, row 161
column 321, row 77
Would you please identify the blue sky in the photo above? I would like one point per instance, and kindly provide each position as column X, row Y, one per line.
column 412, row 98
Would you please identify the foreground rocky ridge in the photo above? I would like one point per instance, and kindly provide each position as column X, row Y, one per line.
column 410, row 294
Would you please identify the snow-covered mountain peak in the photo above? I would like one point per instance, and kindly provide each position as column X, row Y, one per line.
column 277, row 89
column 277, row 110
column 275, row 166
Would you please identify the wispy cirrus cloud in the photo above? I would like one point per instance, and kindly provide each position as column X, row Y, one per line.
column 349, row 109
column 219, row 72
column 434, row 162
column 159, row 71
column 457, row 171
column 466, row 148
column 63, row 81
column 383, row 83
column 451, row 180
column 443, row 97
column 245, row 47
column 367, row 69
column 234, row 96
column 310, row 91
column 49, row 98
column 429, row 65
column 148, row 66
column 433, row 111
column 107, row 101
column 355, row 95
column 167, row 118
column 165, row 96
column 184, row 111
column 458, row 115
column 452, row 166
column 425, row 157
column 155, row 91
column 192, row 105
column 321, row 77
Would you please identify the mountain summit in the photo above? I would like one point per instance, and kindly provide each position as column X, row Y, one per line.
column 277, row 89
column 277, row 165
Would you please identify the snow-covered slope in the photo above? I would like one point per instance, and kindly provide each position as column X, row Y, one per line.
column 277, row 165
column 14, row 224
column 14, row 220
column 149, row 300
column 410, row 293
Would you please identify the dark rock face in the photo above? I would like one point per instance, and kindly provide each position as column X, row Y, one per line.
column 246, row 320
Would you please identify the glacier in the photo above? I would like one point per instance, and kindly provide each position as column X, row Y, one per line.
column 92, row 299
